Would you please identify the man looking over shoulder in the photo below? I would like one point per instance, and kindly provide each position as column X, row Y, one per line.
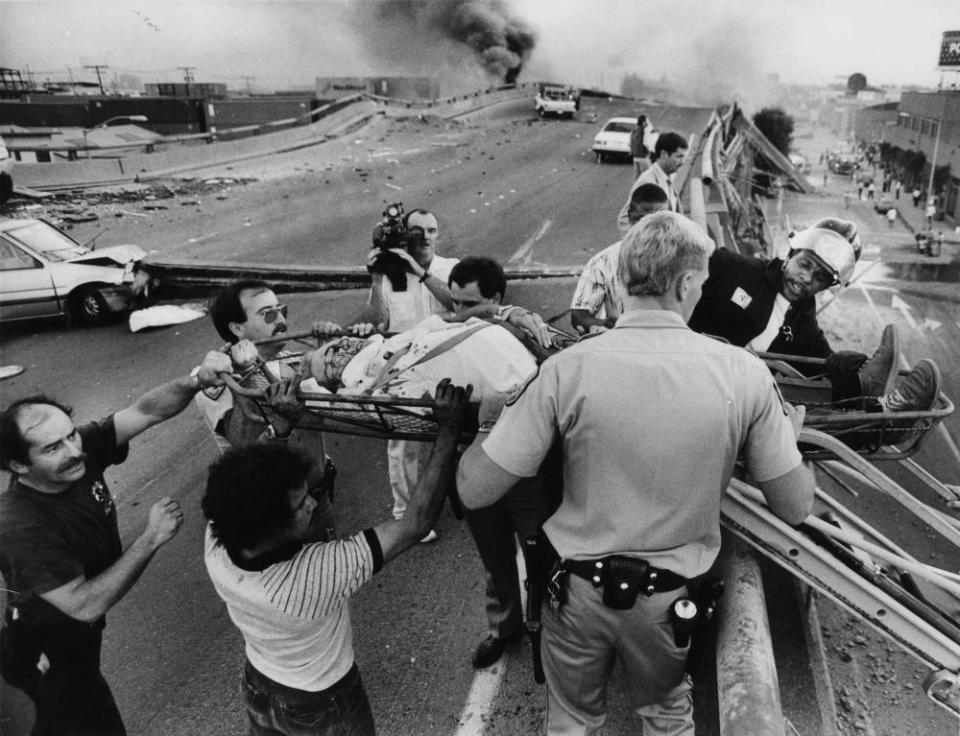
column 390, row 310
column 598, row 299
column 668, row 156
column 61, row 557
column 288, row 591
column 637, row 523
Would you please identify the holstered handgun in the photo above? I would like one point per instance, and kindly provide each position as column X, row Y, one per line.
column 539, row 557
column 705, row 592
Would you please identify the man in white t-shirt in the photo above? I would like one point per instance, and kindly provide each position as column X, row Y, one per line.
column 287, row 590
column 393, row 310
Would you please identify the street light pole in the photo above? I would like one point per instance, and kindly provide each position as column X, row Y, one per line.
column 129, row 118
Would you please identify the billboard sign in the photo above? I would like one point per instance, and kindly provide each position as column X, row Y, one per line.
column 950, row 50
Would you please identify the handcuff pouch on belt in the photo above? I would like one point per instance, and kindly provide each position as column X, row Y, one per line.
column 622, row 578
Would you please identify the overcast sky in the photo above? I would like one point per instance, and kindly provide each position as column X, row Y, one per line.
column 729, row 44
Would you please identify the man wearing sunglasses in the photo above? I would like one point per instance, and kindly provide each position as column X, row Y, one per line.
column 243, row 313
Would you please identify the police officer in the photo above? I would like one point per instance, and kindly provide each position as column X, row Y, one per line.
column 639, row 516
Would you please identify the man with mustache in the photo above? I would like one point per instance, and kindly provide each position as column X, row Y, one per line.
column 243, row 312
column 60, row 551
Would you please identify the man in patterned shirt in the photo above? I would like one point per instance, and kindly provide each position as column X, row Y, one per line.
column 598, row 300
column 288, row 593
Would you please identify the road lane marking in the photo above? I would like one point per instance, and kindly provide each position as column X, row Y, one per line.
column 483, row 691
column 873, row 307
column 486, row 682
column 525, row 251
column 901, row 306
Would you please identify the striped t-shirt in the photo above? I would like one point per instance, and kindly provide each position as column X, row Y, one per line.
column 294, row 613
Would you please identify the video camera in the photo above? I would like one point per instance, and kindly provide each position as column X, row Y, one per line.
column 391, row 232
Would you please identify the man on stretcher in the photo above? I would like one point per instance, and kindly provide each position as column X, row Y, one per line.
column 493, row 347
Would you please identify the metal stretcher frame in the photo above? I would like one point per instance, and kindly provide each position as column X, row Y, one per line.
column 887, row 435
column 884, row 435
column 382, row 417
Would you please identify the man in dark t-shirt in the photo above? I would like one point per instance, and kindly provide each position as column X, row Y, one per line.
column 60, row 551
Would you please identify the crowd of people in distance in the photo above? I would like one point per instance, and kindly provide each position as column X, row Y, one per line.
column 670, row 331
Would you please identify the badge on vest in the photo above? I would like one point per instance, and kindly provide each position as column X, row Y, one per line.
column 741, row 298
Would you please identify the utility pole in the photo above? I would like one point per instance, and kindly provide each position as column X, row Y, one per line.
column 98, row 68
column 248, row 80
column 187, row 75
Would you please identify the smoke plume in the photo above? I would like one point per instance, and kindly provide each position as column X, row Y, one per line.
column 435, row 35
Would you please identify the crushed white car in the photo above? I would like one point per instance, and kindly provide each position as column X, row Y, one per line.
column 46, row 273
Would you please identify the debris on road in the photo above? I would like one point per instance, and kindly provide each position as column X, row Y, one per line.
column 74, row 205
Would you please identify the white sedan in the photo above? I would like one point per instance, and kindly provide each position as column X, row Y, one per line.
column 614, row 138
column 45, row 273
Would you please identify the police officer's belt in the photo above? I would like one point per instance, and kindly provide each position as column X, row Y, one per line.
column 650, row 579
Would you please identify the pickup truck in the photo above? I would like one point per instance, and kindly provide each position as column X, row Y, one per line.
column 559, row 101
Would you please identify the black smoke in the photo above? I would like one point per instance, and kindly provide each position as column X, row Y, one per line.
column 499, row 42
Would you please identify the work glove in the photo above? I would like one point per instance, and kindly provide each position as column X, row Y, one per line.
column 844, row 363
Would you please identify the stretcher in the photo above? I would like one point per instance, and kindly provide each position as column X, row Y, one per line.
column 913, row 604
column 376, row 416
column 880, row 434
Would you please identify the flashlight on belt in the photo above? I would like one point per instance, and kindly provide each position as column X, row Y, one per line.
column 683, row 617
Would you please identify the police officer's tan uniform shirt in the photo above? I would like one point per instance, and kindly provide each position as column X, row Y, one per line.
column 652, row 417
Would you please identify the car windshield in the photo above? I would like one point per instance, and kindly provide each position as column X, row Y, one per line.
column 615, row 126
column 43, row 238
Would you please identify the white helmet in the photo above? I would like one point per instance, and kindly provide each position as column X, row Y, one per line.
column 833, row 251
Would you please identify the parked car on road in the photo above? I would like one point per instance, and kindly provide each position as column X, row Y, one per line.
column 6, row 173
column 559, row 101
column 46, row 273
column 614, row 138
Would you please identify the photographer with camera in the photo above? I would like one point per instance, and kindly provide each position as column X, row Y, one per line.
column 409, row 283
